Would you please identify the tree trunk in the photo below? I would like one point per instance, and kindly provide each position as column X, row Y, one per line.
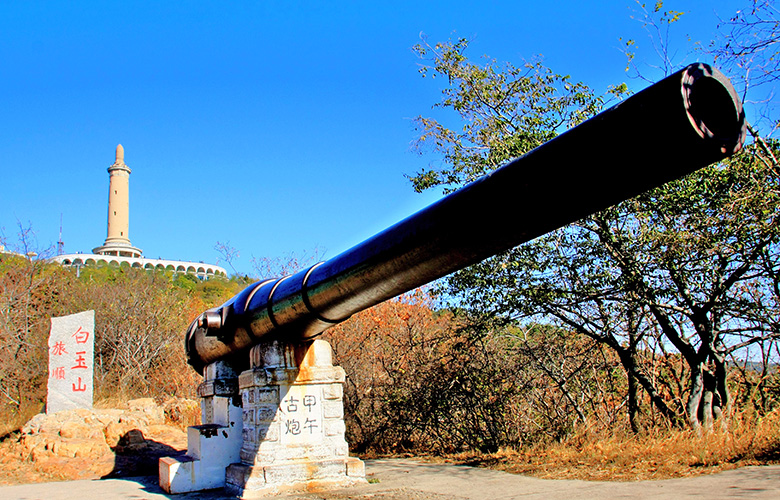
column 709, row 396
column 633, row 406
column 639, row 379
column 722, row 404
column 706, row 404
column 695, row 398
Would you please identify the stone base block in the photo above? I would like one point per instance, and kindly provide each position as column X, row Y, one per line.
column 256, row 481
column 211, row 448
column 185, row 474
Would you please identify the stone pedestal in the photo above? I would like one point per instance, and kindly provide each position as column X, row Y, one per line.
column 293, row 423
column 215, row 444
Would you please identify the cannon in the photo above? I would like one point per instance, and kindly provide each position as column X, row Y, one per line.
column 684, row 122
column 271, row 399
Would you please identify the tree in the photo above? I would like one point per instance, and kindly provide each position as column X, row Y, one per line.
column 689, row 265
column 29, row 294
column 284, row 265
column 228, row 254
column 749, row 49
column 673, row 281
column 506, row 111
column 418, row 381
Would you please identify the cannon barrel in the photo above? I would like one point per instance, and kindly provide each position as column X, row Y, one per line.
column 684, row 122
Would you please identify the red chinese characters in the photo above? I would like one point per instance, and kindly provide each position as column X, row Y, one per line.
column 68, row 361
column 81, row 336
column 71, row 361
column 81, row 362
column 58, row 349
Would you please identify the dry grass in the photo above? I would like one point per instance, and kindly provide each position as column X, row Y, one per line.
column 593, row 456
column 181, row 412
column 13, row 420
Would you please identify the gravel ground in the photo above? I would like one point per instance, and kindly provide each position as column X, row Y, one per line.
column 397, row 479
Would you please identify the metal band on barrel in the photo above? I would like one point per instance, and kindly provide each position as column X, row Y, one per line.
column 305, row 296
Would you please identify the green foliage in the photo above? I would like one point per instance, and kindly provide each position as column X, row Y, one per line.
column 505, row 110
column 186, row 281
column 215, row 291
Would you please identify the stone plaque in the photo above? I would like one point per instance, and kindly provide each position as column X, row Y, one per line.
column 301, row 414
column 71, row 362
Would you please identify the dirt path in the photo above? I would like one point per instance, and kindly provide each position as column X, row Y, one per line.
column 396, row 479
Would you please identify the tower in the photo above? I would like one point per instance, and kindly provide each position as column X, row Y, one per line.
column 117, row 240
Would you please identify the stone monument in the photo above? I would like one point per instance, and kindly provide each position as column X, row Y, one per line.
column 71, row 362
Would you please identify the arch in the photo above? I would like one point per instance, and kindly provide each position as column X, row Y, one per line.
column 180, row 269
column 191, row 270
column 136, row 265
column 66, row 262
column 149, row 266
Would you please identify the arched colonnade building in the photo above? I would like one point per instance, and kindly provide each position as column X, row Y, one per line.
column 199, row 269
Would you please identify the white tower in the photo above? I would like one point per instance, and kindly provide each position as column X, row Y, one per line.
column 117, row 241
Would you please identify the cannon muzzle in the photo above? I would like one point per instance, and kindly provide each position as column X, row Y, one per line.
column 684, row 122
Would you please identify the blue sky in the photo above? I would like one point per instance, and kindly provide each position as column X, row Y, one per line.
column 275, row 126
